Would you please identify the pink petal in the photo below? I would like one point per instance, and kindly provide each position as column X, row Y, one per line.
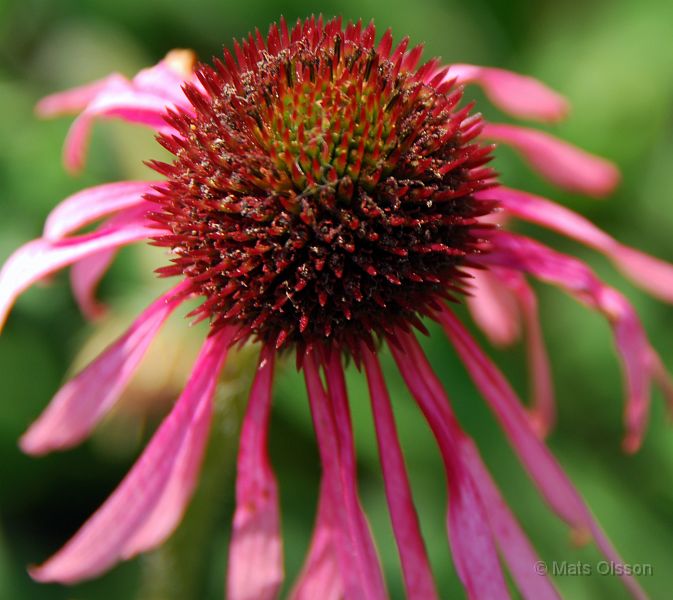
column 561, row 163
column 75, row 100
column 337, row 393
column 255, row 569
column 472, row 544
column 494, row 309
column 143, row 100
column 636, row 353
column 147, row 506
column 652, row 274
column 514, row 545
column 418, row 579
column 543, row 414
column 545, row 472
column 84, row 400
column 357, row 556
column 39, row 258
column 85, row 275
column 167, row 77
column 320, row 576
column 512, row 541
column 664, row 381
column 518, row 95
column 115, row 101
column 87, row 206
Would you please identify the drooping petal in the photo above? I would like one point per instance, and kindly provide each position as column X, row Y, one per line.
column 87, row 206
column 118, row 100
column 142, row 100
column 320, row 576
column 543, row 413
column 650, row 273
column 494, row 308
column 82, row 402
column 76, row 99
column 148, row 504
column 167, row 77
column 338, row 396
column 85, row 275
column 514, row 545
column 545, row 472
column 472, row 544
column 561, row 163
column 637, row 354
column 167, row 513
column 255, row 570
column 664, row 380
column 518, row 95
column 510, row 538
column 357, row 556
column 39, row 258
column 418, row 579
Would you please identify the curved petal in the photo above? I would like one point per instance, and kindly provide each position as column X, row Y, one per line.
column 362, row 574
column 143, row 100
column 518, row 95
column 517, row 252
column 255, row 570
column 472, row 544
column 545, row 472
column 510, row 538
column 561, row 163
column 543, row 413
column 494, row 308
column 150, row 501
column 167, row 77
column 82, row 402
column 87, row 206
column 115, row 101
column 85, row 275
column 165, row 515
column 418, row 579
column 650, row 273
column 514, row 545
column 37, row 259
column 320, row 576
column 338, row 396
column 76, row 99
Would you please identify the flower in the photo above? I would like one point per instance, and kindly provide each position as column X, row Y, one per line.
column 325, row 195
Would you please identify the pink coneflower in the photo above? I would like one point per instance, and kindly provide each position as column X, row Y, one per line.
column 326, row 195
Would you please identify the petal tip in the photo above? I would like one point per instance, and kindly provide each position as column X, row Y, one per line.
column 45, row 109
column 632, row 443
column 28, row 445
column 580, row 536
column 539, row 424
column 42, row 573
column 37, row 442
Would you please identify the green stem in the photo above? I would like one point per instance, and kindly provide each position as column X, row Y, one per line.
column 179, row 570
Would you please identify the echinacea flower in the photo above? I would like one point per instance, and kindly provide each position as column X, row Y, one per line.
column 325, row 195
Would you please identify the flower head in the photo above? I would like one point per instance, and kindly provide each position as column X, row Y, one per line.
column 326, row 193
column 322, row 189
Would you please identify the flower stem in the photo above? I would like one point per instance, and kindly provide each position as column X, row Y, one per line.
column 180, row 568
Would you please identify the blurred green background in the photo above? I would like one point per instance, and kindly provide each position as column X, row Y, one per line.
column 613, row 59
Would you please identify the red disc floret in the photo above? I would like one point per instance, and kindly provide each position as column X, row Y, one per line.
column 322, row 186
